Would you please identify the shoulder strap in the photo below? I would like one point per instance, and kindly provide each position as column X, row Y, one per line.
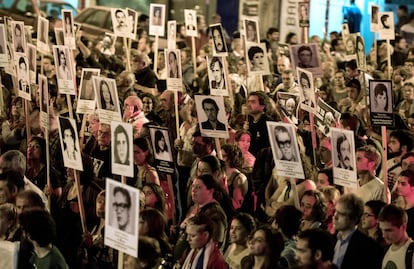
column 409, row 256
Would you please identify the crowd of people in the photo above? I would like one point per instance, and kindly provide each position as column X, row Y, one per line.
column 228, row 207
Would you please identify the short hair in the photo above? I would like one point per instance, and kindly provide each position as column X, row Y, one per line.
column 13, row 160
column 319, row 239
column 342, row 138
column 383, row 18
column 39, row 225
column 209, row 181
column 394, row 215
column 34, row 199
column 253, row 50
column 210, row 101
column 13, row 179
column 281, row 129
column 119, row 11
column 405, row 137
column 354, row 83
column 354, row 206
column 381, row 89
column 375, row 206
column 272, row 30
column 234, row 155
column 42, row 143
column 261, row 97
column 205, row 223
column 288, row 218
column 8, row 212
column 329, row 173
column 319, row 209
column 352, row 64
column 212, row 161
column 304, row 48
column 125, row 193
column 409, row 174
column 156, row 220
column 371, row 153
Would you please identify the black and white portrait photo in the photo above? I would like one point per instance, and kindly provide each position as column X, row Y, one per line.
column 212, row 116
column 63, row 63
column 70, row 144
column 31, row 59
column 306, row 56
column 374, row 18
column 285, row 149
column 161, row 144
column 217, row 76
column 23, row 77
column 42, row 30
column 343, row 157
column 307, row 92
column 217, row 35
column 133, row 18
column 121, row 216
column 19, row 38
column 171, row 34
column 122, row 136
column 68, row 29
column 173, row 63
column 107, row 101
column 289, row 103
column 121, row 22
column 3, row 52
column 86, row 101
column 157, row 19
column 251, row 29
column 257, row 59
column 326, row 117
column 190, row 22
column 60, row 40
column 381, row 103
column 360, row 54
column 386, row 25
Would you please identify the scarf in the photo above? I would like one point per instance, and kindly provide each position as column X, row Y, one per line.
column 201, row 259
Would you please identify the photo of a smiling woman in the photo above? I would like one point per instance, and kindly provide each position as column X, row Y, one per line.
column 161, row 146
column 380, row 99
column 107, row 101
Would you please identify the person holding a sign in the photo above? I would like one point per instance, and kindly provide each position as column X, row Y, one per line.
column 211, row 109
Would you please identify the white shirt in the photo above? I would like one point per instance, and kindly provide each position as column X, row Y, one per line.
column 396, row 258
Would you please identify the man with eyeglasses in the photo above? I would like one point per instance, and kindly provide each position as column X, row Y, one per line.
column 284, row 143
column 353, row 247
column 121, row 205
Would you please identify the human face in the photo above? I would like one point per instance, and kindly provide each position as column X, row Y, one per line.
column 284, row 142
column 165, row 100
column 93, row 126
column 217, row 40
column 106, row 94
column 304, row 83
column 381, row 100
column 362, row 163
column 353, row 93
column 408, row 92
column 140, row 156
column 258, row 61
column 150, row 197
column 217, row 72
column 199, row 192
column 238, row 233
column 282, row 64
column 62, row 58
column 147, row 104
column 345, row 151
column 339, row 80
column 258, row 244
column 34, row 152
column 306, row 205
column 22, row 205
column 350, row 46
column 305, row 57
column 104, row 135
column 100, row 207
column 244, row 142
column 404, row 188
column 407, row 162
column 322, row 180
column 120, row 17
column 287, row 80
column 290, row 107
column 210, row 111
column 121, row 208
column 391, row 233
column 143, row 227
column 251, row 33
column 394, row 145
column 342, row 222
column 368, row 220
column 253, row 105
column 203, row 169
column 68, row 139
column 121, row 144
column 196, row 239
column 172, row 61
column 303, row 252
column 161, row 143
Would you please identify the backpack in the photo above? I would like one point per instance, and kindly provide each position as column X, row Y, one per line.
column 409, row 256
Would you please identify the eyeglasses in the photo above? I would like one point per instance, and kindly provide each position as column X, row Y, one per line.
column 284, row 144
column 120, row 205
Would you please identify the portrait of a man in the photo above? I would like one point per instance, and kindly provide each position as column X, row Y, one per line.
column 343, row 147
column 217, row 72
column 211, row 110
column 283, row 139
column 190, row 20
column 18, row 38
column 121, row 206
column 121, row 23
column 122, row 146
column 70, row 149
column 305, row 54
column 218, row 39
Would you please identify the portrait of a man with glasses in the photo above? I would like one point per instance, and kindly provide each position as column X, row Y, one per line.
column 121, row 205
column 283, row 138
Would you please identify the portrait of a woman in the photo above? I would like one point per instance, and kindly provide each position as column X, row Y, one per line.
column 161, row 146
column 380, row 103
column 107, row 101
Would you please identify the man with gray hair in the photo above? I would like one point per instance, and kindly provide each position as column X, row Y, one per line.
column 14, row 160
column 145, row 77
